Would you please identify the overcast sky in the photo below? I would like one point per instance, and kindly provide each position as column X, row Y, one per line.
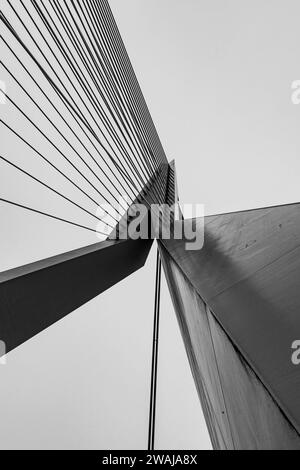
column 217, row 76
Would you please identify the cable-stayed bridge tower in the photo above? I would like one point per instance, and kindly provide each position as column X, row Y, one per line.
column 76, row 125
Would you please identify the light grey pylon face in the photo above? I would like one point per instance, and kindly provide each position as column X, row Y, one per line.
column 242, row 288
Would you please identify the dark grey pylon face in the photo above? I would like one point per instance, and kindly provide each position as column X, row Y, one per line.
column 34, row 297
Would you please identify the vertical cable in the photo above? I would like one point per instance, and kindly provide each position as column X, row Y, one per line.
column 153, row 386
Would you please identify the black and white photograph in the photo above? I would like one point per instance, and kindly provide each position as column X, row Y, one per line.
column 149, row 228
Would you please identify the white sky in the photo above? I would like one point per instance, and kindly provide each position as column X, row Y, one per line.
column 216, row 75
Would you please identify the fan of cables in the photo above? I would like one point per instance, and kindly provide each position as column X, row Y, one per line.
column 75, row 122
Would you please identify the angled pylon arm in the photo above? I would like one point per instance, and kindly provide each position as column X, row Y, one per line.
column 35, row 296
